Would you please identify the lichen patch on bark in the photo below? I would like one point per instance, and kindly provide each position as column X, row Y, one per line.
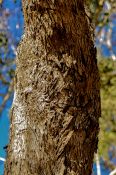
column 19, row 124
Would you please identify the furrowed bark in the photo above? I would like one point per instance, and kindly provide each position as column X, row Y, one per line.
column 56, row 107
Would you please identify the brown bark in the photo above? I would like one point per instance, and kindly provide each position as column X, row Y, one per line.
column 56, row 107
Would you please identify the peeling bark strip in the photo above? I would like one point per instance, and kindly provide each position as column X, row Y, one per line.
column 56, row 110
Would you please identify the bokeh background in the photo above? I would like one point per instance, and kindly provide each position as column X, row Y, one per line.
column 11, row 30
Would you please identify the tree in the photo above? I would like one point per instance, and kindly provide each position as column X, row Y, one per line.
column 56, row 106
column 102, row 13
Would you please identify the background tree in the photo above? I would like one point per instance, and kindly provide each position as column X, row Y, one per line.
column 107, row 135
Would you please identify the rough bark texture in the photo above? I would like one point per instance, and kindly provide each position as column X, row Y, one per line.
column 56, row 107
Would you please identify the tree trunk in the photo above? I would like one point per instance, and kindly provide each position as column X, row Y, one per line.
column 56, row 107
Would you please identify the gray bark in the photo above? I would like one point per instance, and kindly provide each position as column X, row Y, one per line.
column 56, row 108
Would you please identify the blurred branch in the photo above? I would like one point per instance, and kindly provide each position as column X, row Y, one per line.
column 105, row 38
column 3, row 80
column 98, row 164
column 2, row 159
column 6, row 96
column 108, row 164
column 113, row 172
column 103, row 10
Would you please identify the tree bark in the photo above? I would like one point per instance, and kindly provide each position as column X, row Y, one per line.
column 56, row 107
